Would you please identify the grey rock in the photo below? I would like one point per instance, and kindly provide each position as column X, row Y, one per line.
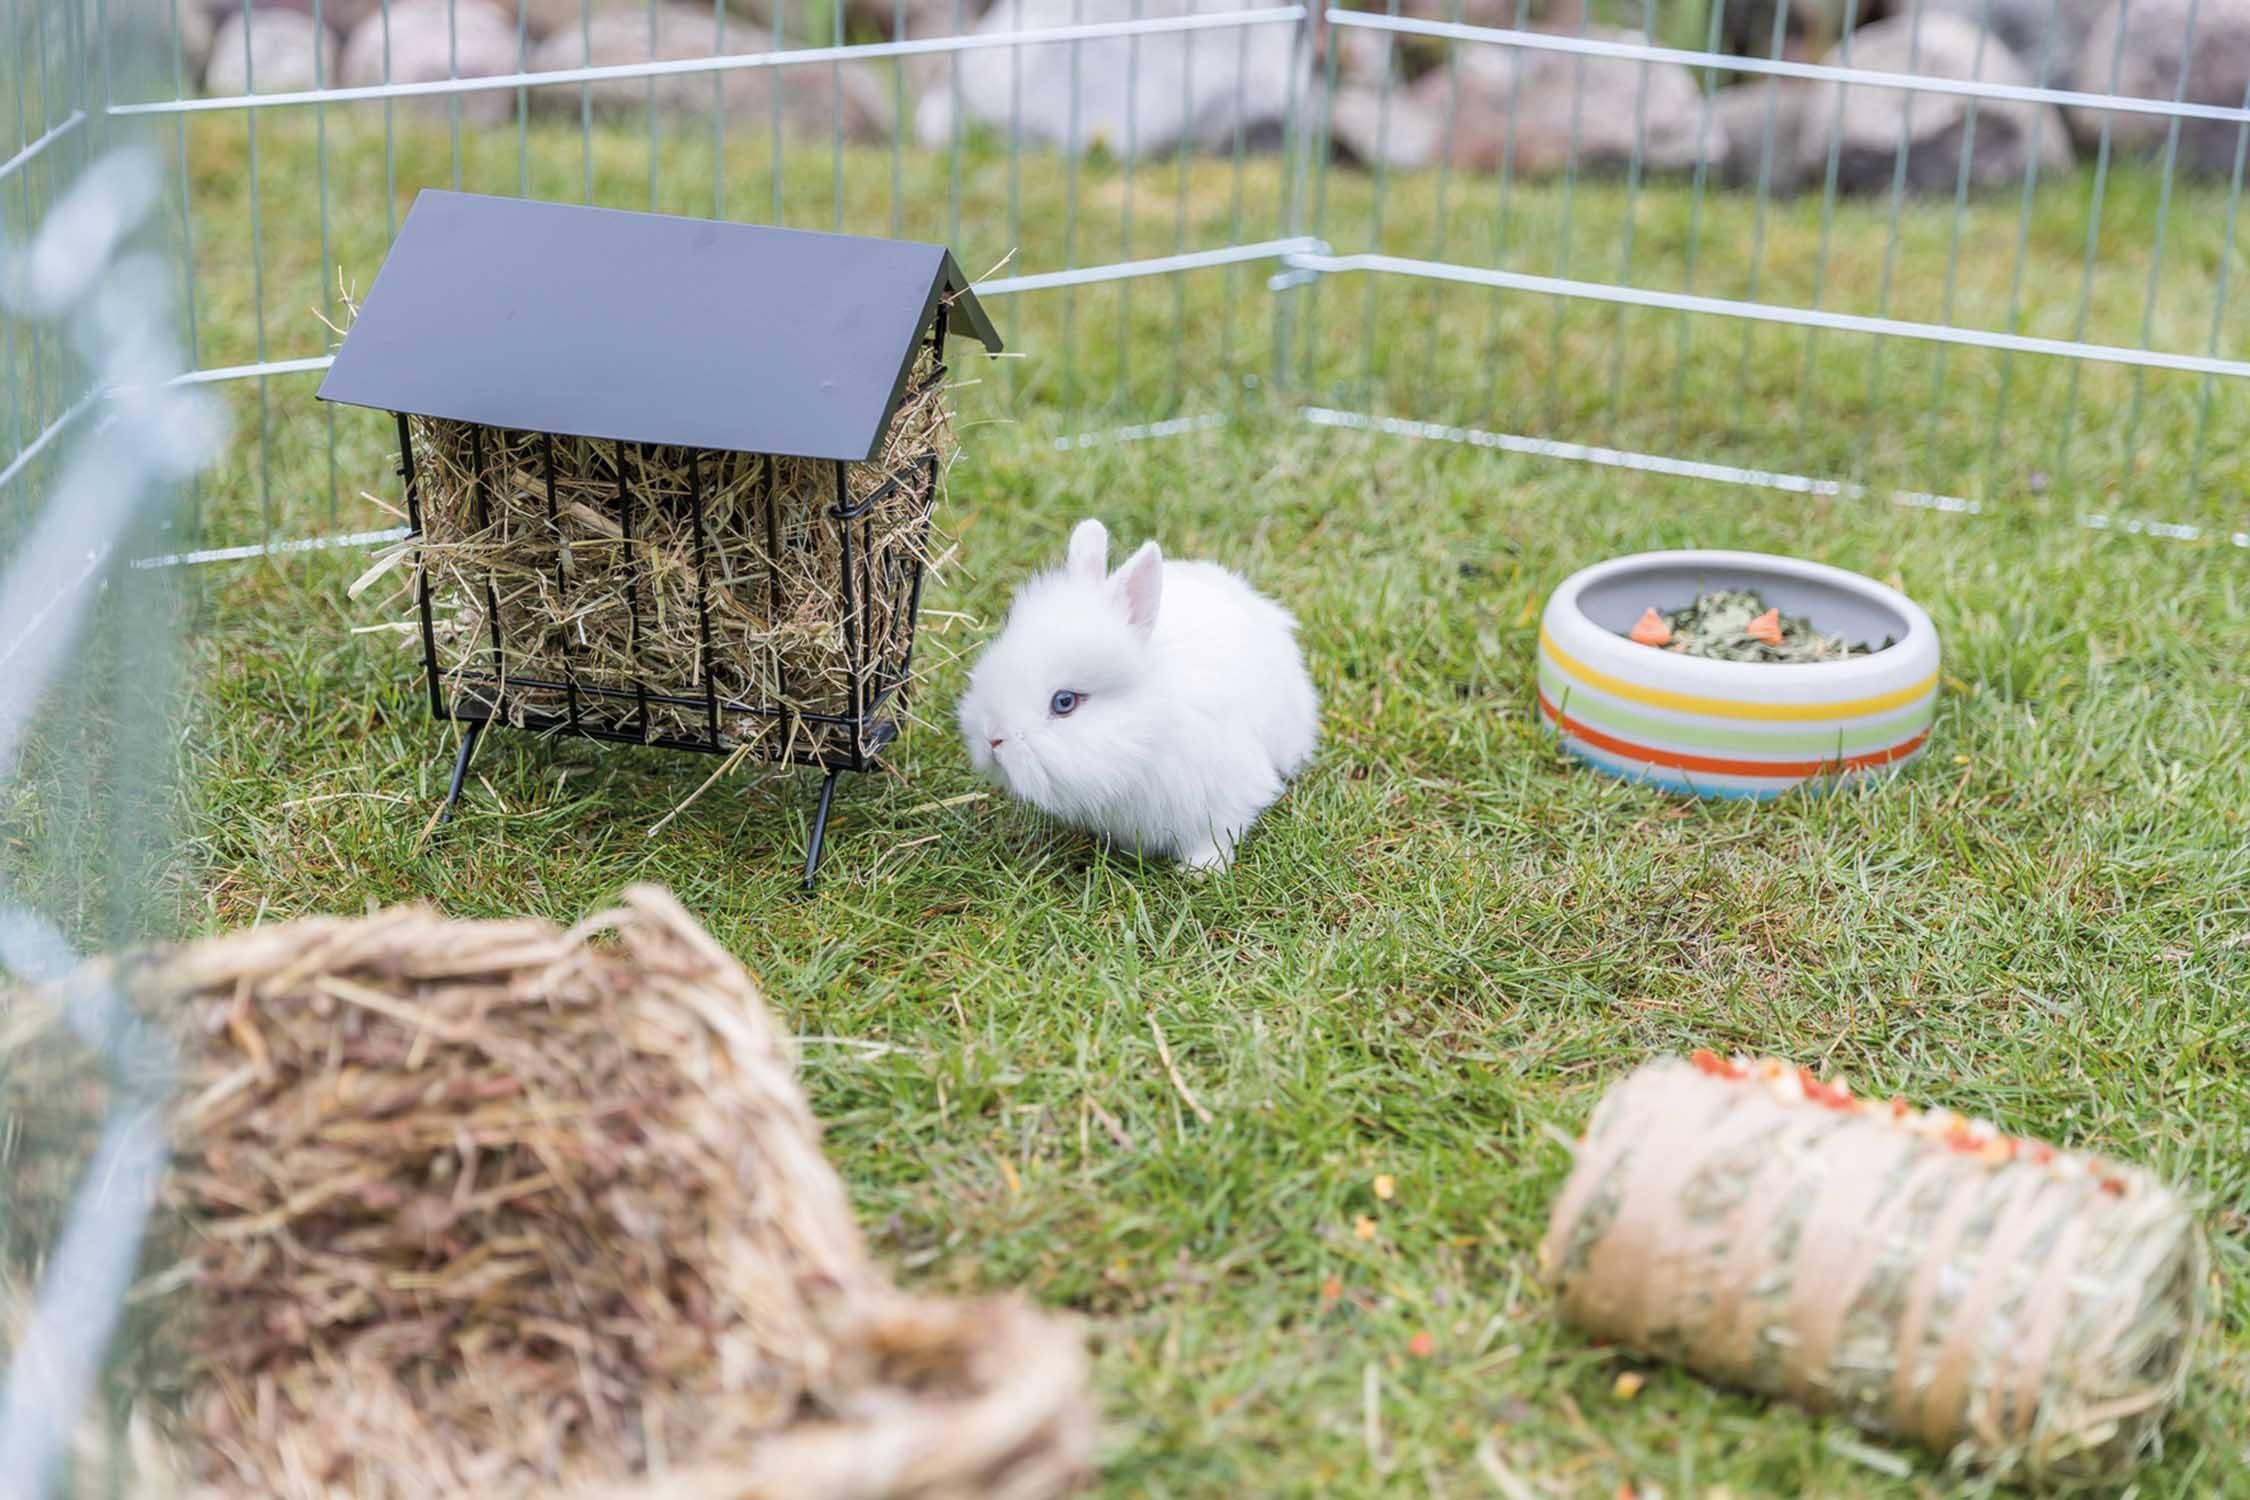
column 287, row 52
column 2138, row 49
column 1864, row 125
column 810, row 94
column 1760, row 123
column 2041, row 33
column 477, row 40
column 340, row 16
column 132, row 43
column 1406, row 132
column 1615, row 107
column 543, row 19
column 1144, row 97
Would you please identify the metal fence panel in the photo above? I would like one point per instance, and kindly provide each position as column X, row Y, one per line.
column 1641, row 235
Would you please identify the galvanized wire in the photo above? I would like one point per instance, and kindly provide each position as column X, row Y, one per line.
column 1641, row 370
column 124, row 446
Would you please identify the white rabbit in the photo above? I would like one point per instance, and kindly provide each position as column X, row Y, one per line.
column 1161, row 706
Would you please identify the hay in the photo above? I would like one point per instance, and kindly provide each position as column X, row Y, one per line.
column 488, row 1209
column 2021, row 1310
column 577, row 603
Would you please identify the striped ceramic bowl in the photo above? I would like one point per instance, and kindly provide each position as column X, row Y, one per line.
column 1725, row 728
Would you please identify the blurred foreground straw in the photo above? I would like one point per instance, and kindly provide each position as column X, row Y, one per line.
column 491, row 1208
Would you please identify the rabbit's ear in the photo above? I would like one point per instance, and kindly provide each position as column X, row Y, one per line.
column 1140, row 588
column 1089, row 551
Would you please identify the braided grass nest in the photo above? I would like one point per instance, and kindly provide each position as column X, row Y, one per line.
column 492, row 1208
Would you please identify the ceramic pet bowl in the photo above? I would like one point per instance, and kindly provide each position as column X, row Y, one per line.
column 1728, row 728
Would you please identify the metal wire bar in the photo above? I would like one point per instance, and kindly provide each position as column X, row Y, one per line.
column 523, row 102
column 1316, row 143
column 898, row 117
column 1376, row 200
column 719, row 118
column 2093, row 248
column 1229, row 283
column 836, row 116
column 38, row 445
column 2219, row 302
column 562, row 574
column 249, row 550
column 1899, row 157
column 1557, row 308
column 407, row 477
column 632, row 590
column 1960, row 216
column 1713, row 30
column 1830, row 180
column 773, row 110
column 1764, row 211
column 1070, row 214
column 328, row 286
column 702, row 594
column 1015, row 172
column 75, row 120
column 773, row 566
column 2156, row 256
column 481, row 485
column 2018, row 267
column 585, row 96
column 852, row 636
column 1296, row 167
column 1632, row 219
column 1444, row 189
column 258, row 286
column 1180, row 221
column 1683, row 468
column 34, row 394
column 1766, row 312
column 953, row 161
column 453, row 102
column 1500, row 220
column 1122, row 382
column 390, row 134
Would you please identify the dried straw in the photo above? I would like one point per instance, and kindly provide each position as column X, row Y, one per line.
column 577, row 603
column 489, row 1209
column 2020, row 1310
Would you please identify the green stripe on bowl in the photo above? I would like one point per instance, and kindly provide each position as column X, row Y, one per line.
column 1601, row 712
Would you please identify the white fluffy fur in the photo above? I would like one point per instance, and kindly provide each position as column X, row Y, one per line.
column 1195, row 704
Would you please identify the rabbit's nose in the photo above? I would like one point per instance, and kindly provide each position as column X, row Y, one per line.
column 997, row 742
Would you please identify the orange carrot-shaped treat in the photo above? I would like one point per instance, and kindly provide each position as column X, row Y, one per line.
column 1651, row 631
column 1767, row 628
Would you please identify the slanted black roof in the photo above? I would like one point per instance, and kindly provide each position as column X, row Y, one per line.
column 550, row 317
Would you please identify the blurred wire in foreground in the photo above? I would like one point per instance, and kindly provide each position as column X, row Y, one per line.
column 83, row 273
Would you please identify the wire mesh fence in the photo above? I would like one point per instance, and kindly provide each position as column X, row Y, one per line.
column 103, row 438
column 1953, row 252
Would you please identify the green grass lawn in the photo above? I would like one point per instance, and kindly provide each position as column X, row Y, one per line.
column 1445, row 942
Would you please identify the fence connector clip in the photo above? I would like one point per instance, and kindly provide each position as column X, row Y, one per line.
column 1299, row 270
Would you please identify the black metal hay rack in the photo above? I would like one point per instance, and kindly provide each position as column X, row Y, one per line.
column 419, row 348
column 879, row 657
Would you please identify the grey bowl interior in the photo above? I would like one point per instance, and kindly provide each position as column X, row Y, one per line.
column 1615, row 602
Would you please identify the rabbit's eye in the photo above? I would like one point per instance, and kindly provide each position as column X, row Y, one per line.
column 1064, row 703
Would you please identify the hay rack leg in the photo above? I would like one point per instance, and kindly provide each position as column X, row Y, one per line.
column 819, row 829
column 469, row 738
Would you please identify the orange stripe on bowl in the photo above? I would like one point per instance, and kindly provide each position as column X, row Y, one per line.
column 1718, row 765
